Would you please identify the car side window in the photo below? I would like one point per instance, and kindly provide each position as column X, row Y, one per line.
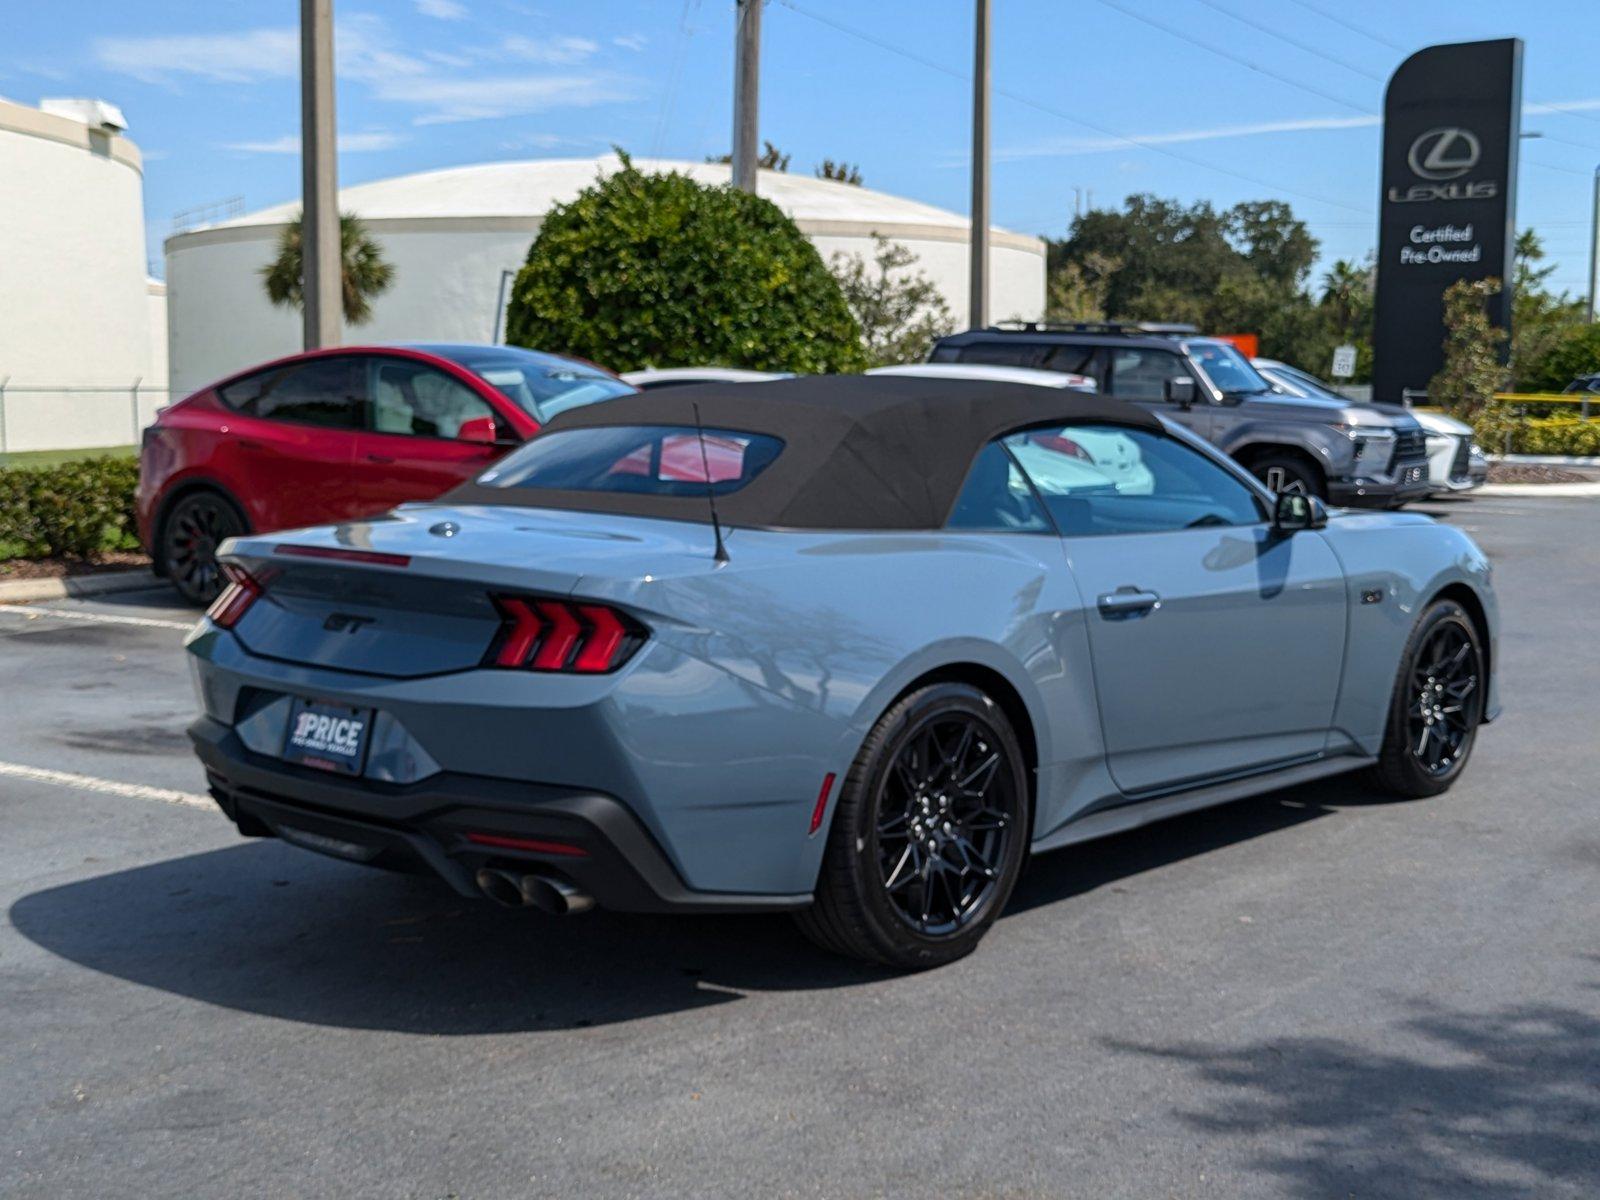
column 1109, row 479
column 417, row 400
column 323, row 391
column 242, row 394
column 1074, row 360
column 1140, row 373
column 1001, row 354
column 996, row 497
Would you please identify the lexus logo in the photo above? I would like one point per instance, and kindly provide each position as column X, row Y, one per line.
column 1445, row 153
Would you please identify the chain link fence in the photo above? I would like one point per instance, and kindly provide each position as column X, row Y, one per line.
column 41, row 417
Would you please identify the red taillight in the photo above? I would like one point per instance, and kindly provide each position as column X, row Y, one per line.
column 532, row 845
column 242, row 591
column 340, row 554
column 552, row 635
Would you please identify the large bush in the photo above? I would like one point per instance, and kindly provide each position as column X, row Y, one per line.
column 75, row 510
column 1575, row 352
column 658, row 270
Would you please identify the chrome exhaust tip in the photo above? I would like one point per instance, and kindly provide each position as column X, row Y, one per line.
column 501, row 887
column 554, row 896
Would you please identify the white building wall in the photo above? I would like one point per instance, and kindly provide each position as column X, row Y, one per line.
column 74, row 306
column 447, row 283
column 220, row 320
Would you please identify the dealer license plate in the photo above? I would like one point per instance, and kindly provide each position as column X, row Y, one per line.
column 330, row 737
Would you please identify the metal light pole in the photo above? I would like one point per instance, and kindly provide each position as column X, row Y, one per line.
column 321, row 285
column 1594, row 248
column 746, row 94
column 978, row 314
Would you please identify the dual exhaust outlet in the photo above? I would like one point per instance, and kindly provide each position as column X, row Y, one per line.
column 548, row 894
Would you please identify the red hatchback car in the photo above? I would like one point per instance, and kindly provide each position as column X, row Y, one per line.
column 333, row 435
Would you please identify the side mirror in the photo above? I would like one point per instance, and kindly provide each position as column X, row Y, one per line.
column 1179, row 390
column 477, row 429
column 1295, row 511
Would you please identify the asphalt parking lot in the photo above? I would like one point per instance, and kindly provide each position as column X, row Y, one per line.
column 1310, row 994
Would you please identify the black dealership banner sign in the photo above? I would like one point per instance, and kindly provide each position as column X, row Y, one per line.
column 1451, row 120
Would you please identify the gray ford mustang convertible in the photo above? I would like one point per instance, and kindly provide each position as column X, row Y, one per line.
column 848, row 647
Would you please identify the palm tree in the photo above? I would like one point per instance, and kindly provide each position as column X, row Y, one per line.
column 365, row 274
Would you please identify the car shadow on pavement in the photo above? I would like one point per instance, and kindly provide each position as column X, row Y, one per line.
column 1498, row 1104
column 266, row 928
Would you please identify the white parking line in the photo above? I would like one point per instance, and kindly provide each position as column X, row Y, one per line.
column 34, row 612
column 89, row 783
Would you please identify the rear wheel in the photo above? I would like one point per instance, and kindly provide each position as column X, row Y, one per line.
column 196, row 526
column 1436, row 707
column 1290, row 474
column 929, row 833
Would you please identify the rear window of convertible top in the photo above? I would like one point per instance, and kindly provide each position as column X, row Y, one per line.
column 651, row 460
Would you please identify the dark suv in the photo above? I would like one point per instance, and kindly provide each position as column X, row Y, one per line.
column 1366, row 454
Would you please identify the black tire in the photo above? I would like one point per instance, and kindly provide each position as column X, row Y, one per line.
column 1436, row 705
column 904, row 790
column 190, row 535
column 1290, row 473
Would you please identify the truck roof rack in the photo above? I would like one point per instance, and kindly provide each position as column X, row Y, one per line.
column 1125, row 327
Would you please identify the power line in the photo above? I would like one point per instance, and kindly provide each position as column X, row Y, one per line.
column 1287, row 40
column 1353, row 28
column 1029, row 102
column 1221, row 52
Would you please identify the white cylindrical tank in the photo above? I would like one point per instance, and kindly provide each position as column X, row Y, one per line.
column 75, row 305
column 452, row 235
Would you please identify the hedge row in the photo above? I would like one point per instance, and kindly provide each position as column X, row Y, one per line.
column 73, row 510
column 1552, row 435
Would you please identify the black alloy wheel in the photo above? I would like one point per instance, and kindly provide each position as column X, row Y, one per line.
column 929, row 833
column 1445, row 678
column 1287, row 475
column 1436, row 707
column 197, row 525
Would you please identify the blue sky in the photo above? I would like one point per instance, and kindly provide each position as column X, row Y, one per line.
column 1224, row 100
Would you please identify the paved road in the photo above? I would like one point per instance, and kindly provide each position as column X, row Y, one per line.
column 1312, row 994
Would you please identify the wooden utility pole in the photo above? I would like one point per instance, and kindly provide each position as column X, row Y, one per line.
column 321, row 285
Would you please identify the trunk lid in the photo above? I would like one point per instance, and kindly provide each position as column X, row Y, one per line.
column 410, row 594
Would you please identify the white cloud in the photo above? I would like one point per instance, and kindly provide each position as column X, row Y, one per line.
column 630, row 41
column 363, row 44
column 349, row 143
column 444, row 10
column 220, row 57
column 450, row 100
column 1061, row 147
column 554, row 51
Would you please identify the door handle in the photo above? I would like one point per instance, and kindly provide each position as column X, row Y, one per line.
column 379, row 458
column 249, row 444
column 1127, row 602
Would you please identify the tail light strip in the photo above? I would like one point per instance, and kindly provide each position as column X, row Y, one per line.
column 232, row 602
column 538, row 634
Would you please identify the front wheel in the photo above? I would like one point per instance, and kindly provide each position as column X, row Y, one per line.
column 1289, row 474
column 929, row 833
column 1436, row 707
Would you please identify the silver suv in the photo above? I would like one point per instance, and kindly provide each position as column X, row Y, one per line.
column 1374, row 455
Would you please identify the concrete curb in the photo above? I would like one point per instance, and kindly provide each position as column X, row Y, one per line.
column 28, row 591
column 1547, row 460
column 1567, row 490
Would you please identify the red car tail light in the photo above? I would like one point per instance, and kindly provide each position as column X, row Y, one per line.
column 538, row 634
column 242, row 591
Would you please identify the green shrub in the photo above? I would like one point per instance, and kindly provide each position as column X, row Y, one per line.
column 74, row 510
column 1575, row 353
column 658, row 270
column 1569, row 436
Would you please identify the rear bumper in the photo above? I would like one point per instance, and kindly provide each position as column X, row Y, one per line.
column 425, row 826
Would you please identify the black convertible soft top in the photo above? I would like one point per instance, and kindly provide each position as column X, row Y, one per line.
column 860, row 451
